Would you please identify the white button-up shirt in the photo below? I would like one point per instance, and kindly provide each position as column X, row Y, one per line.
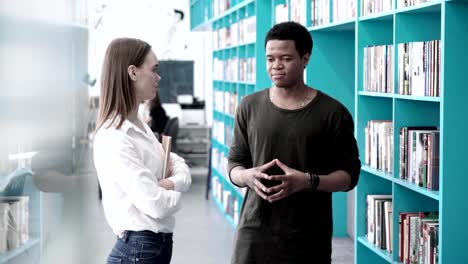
column 129, row 165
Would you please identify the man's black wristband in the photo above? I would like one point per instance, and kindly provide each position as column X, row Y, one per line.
column 314, row 181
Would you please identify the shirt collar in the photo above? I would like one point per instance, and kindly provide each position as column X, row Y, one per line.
column 127, row 125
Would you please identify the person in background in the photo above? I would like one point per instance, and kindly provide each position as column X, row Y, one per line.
column 138, row 203
column 293, row 146
column 157, row 114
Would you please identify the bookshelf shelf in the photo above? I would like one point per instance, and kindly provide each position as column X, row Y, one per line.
column 221, row 208
column 226, row 49
column 418, row 98
column 432, row 194
column 246, row 44
column 382, row 16
column 373, row 94
column 226, row 182
column 385, row 255
column 337, row 68
column 435, row 20
column 345, row 25
column 379, row 173
column 226, row 116
column 246, row 83
column 232, row 10
column 429, row 7
column 6, row 257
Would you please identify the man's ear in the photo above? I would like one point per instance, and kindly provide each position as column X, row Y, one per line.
column 305, row 59
column 132, row 72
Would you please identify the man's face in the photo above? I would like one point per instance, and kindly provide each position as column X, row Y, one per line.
column 284, row 65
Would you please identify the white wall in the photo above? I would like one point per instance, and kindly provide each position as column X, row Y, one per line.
column 152, row 21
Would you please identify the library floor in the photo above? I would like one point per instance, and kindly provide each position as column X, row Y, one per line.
column 202, row 235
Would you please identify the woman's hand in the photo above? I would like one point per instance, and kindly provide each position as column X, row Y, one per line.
column 166, row 184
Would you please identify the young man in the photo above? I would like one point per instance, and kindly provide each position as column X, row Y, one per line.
column 293, row 146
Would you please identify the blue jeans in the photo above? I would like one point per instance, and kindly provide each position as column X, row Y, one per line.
column 142, row 247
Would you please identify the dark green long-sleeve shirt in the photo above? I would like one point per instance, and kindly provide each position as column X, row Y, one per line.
column 318, row 138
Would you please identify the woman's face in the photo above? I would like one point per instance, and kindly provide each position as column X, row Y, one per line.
column 146, row 78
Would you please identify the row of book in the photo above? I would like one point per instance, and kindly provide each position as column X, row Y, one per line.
column 418, row 237
column 320, row 15
column 243, row 31
column 227, row 70
column 417, row 231
column 419, row 68
column 378, row 69
column 419, row 152
column 247, row 70
column 344, row 10
column 218, row 131
column 380, row 221
column 228, row 200
column 371, row 7
column 320, row 12
column 341, row 9
column 419, row 156
column 222, row 132
column 225, row 102
column 378, row 152
column 281, row 13
column 221, row 6
column 14, row 222
column 234, row 69
column 298, row 11
column 405, row 3
column 219, row 160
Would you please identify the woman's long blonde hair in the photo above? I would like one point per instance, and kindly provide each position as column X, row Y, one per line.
column 118, row 98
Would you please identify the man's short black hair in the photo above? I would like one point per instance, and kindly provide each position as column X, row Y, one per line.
column 292, row 31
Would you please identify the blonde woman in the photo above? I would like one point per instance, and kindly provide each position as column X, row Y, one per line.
column 138, row 203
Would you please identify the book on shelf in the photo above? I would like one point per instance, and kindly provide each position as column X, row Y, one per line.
column 379, row 219
column 343, row 10
column 14, row 228
column 247, row 69
column 320, row 12
column 419, row 156
column 417, row 235
column 247, row 30
column 221, row 6
column 166, row 144
column 281, row 13
column 388, row 215
column 378, row 152
column 372, row 7
column 228, row 134
column 378, row 69
column 298, row 11
column 419, row 68
column 4, row 219
column 405, row 3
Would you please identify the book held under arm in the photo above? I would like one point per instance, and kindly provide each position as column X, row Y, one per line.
column 166, row 144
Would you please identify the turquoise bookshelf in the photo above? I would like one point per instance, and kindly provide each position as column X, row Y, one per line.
column 336, row 67
column 204, row 17
column 31, row 250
